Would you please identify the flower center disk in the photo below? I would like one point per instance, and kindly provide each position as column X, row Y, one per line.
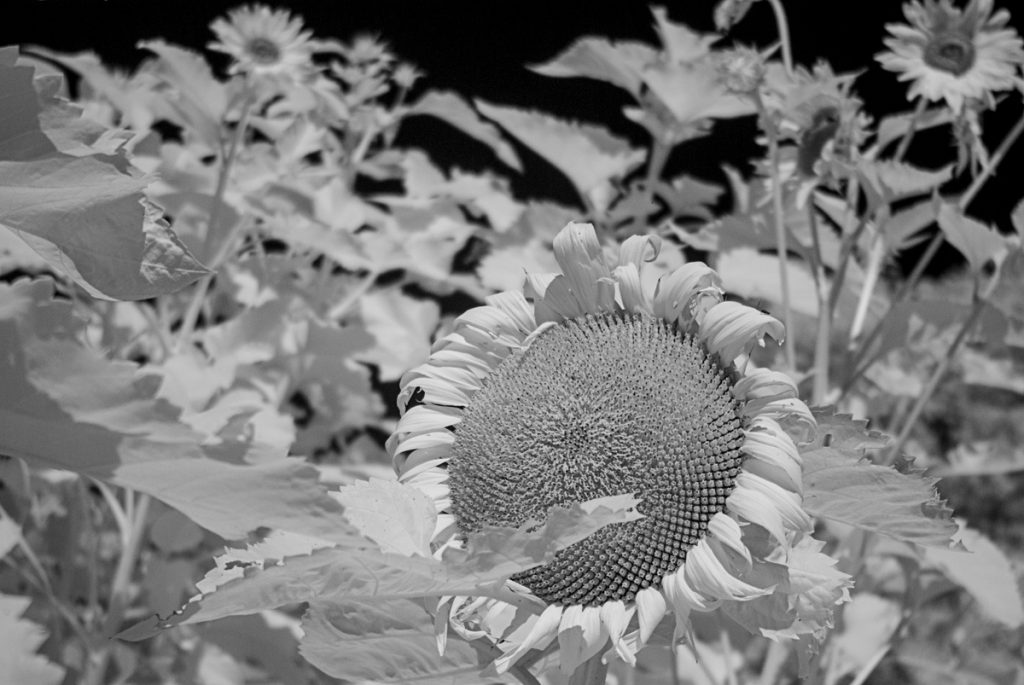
column 264, row 50
column 597, row 406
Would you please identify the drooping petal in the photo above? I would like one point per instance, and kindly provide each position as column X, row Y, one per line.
column 579, row 254
column 637, row 249
column 581, row 635
column 764, row 384
column 686, row 293
column 730, row 328
column 650, row 609
column 540, row 636
column 705, row 572
column 773, row 456
column 726, row 530
column 515, row 307
column 788, row 504
column 631, row 290
column 616, row 617
column 681, row 608
column 757, row 508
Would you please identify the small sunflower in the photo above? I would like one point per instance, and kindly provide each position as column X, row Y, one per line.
column 586, row 385
column 952, row 54
column 263, row 41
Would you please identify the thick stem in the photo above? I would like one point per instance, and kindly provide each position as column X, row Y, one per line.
column 780, row 240
column 824, row 334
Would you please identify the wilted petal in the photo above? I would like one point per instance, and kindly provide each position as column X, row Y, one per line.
column 757, row 508
column 705, row 572
column 788, row 504
column 540, row 636
column 730, row 328
column 681, row 607
column 773, row 456
column 764, row 384
column 684, row 294
column 637, row 249
column 616, row 617
column 579, row 253
column 726, row 530
column 630, row 289
column 650, row 609
column 581, row 635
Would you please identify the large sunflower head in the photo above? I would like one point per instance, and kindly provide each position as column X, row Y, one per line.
column 952, row 54
column 586, row 385
column 263, row 41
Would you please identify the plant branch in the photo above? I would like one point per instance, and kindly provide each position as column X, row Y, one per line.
column 783, row 25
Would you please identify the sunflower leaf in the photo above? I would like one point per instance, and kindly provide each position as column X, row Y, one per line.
column 450, row 107
column 384, row 642
column 897, row 180
column 588, row 155
column 19, row 662
column 67, row 407
column 243, row 583
column 618, row 63
column 975, row 241
column 986, row 573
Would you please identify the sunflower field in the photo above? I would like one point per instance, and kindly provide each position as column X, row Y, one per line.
column 289, row 400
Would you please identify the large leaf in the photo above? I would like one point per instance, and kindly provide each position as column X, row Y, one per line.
column 618, row 63
column 840, row 486
column 402, row 326
column 588, row 155
column 65, row 406
column 84, row 214
column 976, row 242
column 385, row 642
column 894, row 180
column 450, row 107
column 397, row 517
column 243, row 584
column 985, row 572
column 19, row 663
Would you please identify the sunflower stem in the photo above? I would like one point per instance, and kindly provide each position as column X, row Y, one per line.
column 859, row 365
column 783, row 24
column 591, row 672
column 915, row 119
column 978, row 306
column 780, row 238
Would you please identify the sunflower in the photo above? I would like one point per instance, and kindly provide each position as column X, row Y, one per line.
column 586, row 385
column 263, row 41
column 952, row 54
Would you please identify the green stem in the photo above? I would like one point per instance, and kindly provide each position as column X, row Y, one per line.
column 922, row 264
column 590, row 672
column 655, row 165
column 915, row 120
column 780, row 237
column 824, row 334
column 940, row 370
column 780, row 21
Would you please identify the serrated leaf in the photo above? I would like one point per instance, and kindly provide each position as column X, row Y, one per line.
column 398, row 517
column 619, row 63
column 840, row 486
column 85, row 215
column 588, row 155
column 452, row 108
column 384, row 642
column 366, row 573
column 894, row 180
column 986, row 573
column 976, row 242
column 19, row 662
column 845, row 433
column 67, row 407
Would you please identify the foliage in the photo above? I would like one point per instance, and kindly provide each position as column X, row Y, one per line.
column 212, row 283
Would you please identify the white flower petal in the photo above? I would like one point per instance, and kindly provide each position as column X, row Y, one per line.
column 706, row 573
column 630, row 289
column 772, row 454
column 731, row 328
column 441, row 618
column 788, row 504
column 757, row 507
column 423, row 418
column 409, row 462
column 764, row 384
column 426, row 440
column 540, row 636
column 726, row 530
column 686, row 293
column 515, row 307
column 493, row 322
column 616, row 617
column 681, row 607
column 579, row 254
column 650, row 609
column 581, row 635
column 438, row 392
column 637, row 249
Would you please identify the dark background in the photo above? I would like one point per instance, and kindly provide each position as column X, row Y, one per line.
column 481, row 48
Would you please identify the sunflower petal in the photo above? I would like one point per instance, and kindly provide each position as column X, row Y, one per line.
column 637, row 249
column 757, row 507
column 423, row 418
column 788, row 504
column 540, row 636
column 686, row 293
column 579, row 254
column 730, row 328
column 773, row 455
column 616, row 616
column 681, row 607
column 581, row 635
column 726, row 530
column 650, row 609
column 630, row 289
column 515, row 306
column 705, row 572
